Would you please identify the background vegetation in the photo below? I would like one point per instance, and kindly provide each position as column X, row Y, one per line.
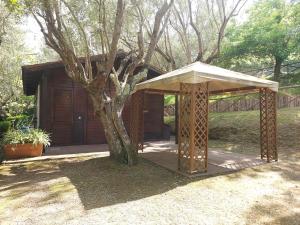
column 261, row 38
column 268, row 38
column 239, row 131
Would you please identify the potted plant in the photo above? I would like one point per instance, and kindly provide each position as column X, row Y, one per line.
column 24, row 143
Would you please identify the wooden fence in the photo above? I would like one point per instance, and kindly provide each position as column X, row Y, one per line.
column 243, row 104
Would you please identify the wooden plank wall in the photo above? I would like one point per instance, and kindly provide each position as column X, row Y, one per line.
column 63, row 102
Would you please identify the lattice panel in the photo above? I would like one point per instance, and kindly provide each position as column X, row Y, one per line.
column 193, row 127
column 137, row 120
column 268, row 124
column 184, row 127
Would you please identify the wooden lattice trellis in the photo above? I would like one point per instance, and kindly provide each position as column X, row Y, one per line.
column 268, row 128
column 137, row 120
column 193, row 127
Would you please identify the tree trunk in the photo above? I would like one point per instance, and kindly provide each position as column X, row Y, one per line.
column 277, row 68
column 118, row 140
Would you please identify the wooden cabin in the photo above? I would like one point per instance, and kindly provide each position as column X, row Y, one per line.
column 64, row 109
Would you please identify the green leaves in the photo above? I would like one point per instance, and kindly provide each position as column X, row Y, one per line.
column 271, row 32
column 13, row 54
column 33, row 136
column 169, row 100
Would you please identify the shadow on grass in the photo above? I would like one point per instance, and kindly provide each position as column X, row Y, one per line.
column 101, row 182
column 287, row 167
column 274, row 210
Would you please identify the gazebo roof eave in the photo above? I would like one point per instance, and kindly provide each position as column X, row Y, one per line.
column 169, row 82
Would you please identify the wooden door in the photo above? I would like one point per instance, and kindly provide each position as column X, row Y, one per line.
column 79, row 130
column 79, row 116
column 62, row 116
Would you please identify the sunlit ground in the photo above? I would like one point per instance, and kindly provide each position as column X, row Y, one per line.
column 89, row 190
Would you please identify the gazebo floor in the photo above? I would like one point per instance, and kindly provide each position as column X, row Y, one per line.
column 164, row 153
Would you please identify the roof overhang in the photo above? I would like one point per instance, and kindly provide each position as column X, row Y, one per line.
column 32, row 74
column 220, row 80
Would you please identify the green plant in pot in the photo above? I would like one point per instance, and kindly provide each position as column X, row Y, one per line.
column 24, row 143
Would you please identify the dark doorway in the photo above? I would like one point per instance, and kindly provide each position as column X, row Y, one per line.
column 79, row 115
column 78, row 130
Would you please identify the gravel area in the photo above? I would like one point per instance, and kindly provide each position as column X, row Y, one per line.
column 95, row 190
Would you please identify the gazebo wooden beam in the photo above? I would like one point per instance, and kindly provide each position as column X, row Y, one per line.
column 162, row 92
column 232, row 90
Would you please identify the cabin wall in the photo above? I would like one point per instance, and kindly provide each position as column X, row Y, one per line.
column 38, row 105
column 66, row 112
column 153, row 116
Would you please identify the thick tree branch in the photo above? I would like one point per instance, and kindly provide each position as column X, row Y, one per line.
column 198, row 33
column 225, row 19
column 116, row 36
column 156, row 29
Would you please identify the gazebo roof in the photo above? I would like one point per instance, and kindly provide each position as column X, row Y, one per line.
column 220, row 80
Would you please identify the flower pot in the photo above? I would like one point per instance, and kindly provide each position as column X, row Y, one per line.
column 18, row 151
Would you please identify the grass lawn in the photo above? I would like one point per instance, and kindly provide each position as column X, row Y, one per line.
column 96, row 190
column 239, row 131
column 87, row 190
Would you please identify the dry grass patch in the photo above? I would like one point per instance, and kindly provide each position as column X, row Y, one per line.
column 96, row 190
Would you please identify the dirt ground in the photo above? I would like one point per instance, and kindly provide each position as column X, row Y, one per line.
column 96, row 190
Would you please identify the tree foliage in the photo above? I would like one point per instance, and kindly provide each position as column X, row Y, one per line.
column 271, row 32
column 12, row 56
column 5, row 20
column 196, row 31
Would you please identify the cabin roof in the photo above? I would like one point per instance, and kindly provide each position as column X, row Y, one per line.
column 32, row 74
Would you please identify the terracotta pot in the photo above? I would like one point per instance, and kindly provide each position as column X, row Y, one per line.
column 18, row 151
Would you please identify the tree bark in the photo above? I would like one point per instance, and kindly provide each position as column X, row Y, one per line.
column 118, row 140
column 277, row 68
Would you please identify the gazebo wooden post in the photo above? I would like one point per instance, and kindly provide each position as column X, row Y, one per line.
column 176, row 119
column 193, row 127
column 268, row 124
column 137, row 120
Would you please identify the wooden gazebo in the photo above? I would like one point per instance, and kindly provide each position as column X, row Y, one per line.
column 194, row 84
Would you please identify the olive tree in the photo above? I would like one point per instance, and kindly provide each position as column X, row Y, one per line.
column 76, row 28
column 271, row 38
column 196, row 30
column 12, row 51
column 5, row 15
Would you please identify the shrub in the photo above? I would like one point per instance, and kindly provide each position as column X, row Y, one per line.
column 19, row 121
column 4, row 127
column 1, row 153
column 34, row 136
column 19, row 104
